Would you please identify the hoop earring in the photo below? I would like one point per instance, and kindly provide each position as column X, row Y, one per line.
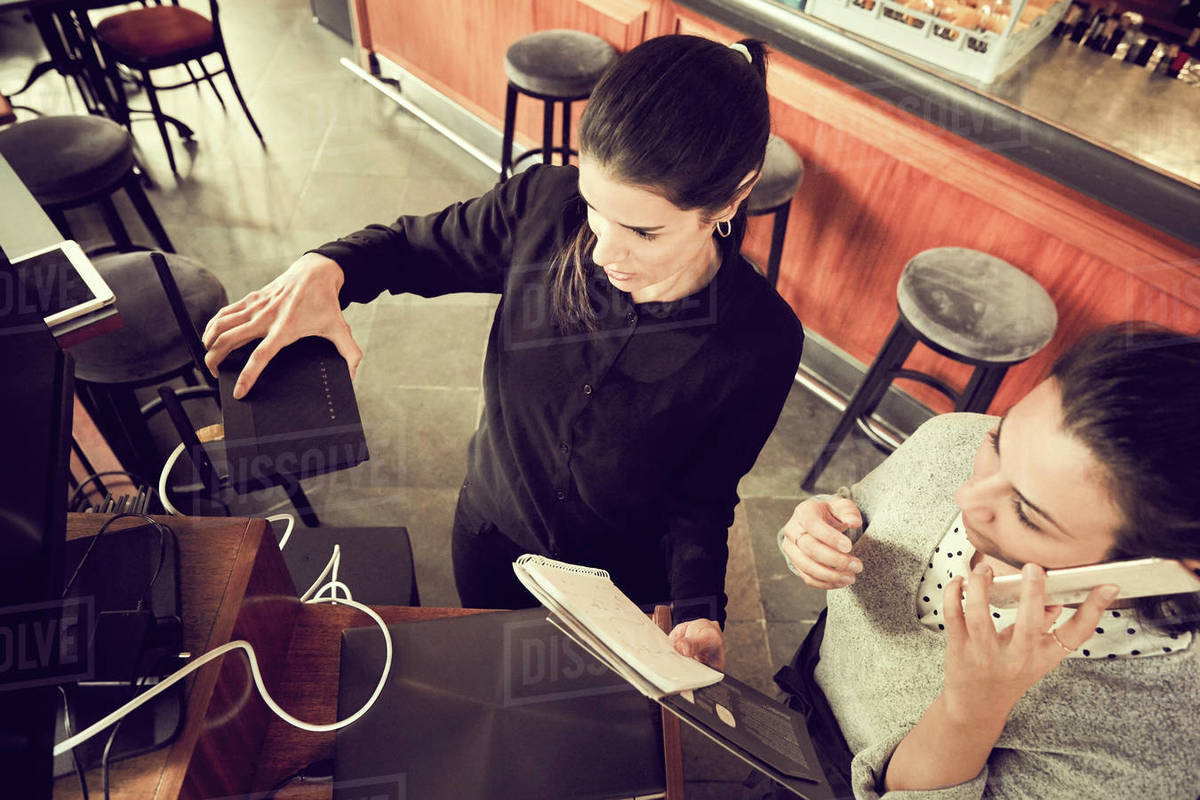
column 724, row 228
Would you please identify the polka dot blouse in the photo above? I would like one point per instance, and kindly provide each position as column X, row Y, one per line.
column 1119, row 634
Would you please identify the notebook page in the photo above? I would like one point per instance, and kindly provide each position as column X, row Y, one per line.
column 591, row 598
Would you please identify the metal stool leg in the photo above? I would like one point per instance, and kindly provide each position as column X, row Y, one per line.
column 159, row 119
column 133, row 188
column 981, row 389
column 510, row 122
column 60, row 221
column 547, row 130
column 303, row 508
column 115, row 226
column 895, row 350
column 237, row 92
column 566, row 132
column 778, row 231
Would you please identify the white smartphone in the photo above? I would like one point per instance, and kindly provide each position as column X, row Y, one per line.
column 60, row 282
column 1142, row 577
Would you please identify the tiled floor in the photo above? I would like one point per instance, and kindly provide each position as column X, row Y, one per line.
column 339, row 156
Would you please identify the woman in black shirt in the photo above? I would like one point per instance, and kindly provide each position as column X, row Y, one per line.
column 636, row 363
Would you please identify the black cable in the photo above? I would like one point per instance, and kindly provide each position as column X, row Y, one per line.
column 316, row 772
column 103, row 528
column 83, row 787
column 112, row 736
column 139, row 481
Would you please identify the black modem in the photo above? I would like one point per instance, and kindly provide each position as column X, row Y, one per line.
column 300, row 419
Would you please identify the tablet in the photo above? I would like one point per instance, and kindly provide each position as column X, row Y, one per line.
column 60, row 283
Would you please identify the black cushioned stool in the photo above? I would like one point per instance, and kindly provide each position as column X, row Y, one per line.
column 72, row 161
column 148, row 350
column 782, row 172
column 555, row 66
column 966, row 305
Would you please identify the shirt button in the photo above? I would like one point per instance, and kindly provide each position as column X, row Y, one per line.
column 630, row 318
column 560, row 495
column 587, row 388
column 562, row 448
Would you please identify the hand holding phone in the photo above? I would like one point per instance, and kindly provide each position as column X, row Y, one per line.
column 1142, row 577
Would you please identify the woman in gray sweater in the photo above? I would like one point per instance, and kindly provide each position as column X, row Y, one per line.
column 940, row 695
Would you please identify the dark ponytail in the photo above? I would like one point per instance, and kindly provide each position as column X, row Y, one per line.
column 1131, row 394
column 684, row 117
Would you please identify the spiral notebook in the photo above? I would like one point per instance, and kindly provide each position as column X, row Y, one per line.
column 766, row 734
column 589, row 607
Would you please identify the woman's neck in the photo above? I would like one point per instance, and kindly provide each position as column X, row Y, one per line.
column 686, row 281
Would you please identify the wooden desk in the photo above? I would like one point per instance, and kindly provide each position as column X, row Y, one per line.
column 235, row 585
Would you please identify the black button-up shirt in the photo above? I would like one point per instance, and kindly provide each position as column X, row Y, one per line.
column 621, row 448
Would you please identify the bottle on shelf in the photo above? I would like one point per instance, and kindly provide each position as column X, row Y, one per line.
column 1094, row 38
column 1183, row 55
column 1135, row 47
column 1068, row 20
column 1164, row 65
column 1129, row 24
column 1080, row 28
column 1146, row 52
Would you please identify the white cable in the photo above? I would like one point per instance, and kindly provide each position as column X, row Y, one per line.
column 87, row 733
column 333, row 587
column 162, row 480
column 332, row 564
column 287, row 533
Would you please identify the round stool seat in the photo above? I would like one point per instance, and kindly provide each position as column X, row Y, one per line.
column 558, row 63
column 782, row 172
column 975, row 305
column 149, row 343
column 65, row 159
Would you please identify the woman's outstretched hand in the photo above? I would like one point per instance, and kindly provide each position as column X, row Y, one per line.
column 303, row 301
column 984, row 665
column 702, row 640
column 815, row 545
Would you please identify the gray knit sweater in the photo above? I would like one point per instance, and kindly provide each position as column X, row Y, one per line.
column 1122, row 728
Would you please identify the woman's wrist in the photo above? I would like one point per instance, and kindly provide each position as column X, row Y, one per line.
column 319, row 268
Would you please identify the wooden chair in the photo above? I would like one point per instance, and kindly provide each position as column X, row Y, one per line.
column 158, row 36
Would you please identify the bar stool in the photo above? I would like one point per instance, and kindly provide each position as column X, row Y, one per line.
column 72, row 161
column 147, row 350
column 555, row 66
column 782, row 172
column 966, row 305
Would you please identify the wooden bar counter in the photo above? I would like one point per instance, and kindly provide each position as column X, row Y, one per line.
column 891, row 169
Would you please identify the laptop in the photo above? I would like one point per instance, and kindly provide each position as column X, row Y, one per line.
column 491, row 705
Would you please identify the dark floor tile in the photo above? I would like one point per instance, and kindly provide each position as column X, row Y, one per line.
column 741, row 579
column 785, row 597
column 783, row 638
column 746, row 655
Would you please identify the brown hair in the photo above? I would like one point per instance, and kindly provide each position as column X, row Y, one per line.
column 681, row 116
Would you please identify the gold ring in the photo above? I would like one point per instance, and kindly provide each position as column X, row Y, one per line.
column 1059, row 642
